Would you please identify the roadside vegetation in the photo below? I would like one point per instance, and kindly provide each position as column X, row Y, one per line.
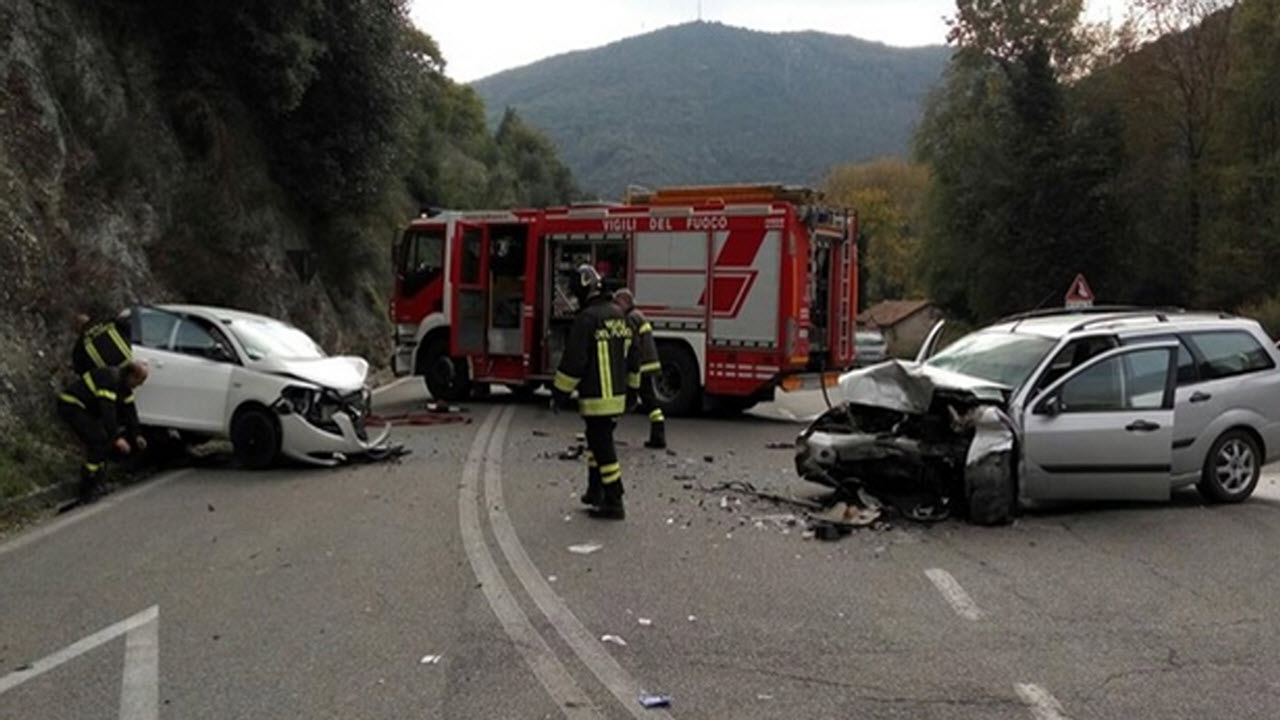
column 1146, row 156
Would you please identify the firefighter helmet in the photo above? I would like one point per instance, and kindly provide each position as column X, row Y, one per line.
column 586, row 284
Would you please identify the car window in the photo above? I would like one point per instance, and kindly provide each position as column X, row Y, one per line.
column 1071, row 356
column 194, row 339
column 154, row 328
column 1188, row 374
column 1133, row 381
column 1000, row 357
column 1229, row 352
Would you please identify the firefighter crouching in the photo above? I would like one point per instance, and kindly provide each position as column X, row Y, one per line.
column 99, row 345
column 601, row 362
column 99, row 408
column 642, row 336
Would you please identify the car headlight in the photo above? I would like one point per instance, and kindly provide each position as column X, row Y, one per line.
column 300, row 399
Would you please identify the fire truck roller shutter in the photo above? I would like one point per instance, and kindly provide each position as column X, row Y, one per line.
column 745, row 286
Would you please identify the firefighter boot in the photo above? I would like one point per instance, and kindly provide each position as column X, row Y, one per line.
column 595, row 491
column 657, row 435
column 611, row 508
column 90, row 484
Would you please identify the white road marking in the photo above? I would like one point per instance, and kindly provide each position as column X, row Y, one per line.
column 955, row 595
column 76, row 516
column 140, row 684
column 566, row 694
column 1043, row 705
column 590, row 651
column 75, row 649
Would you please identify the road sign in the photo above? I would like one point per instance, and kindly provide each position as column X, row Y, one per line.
column 1079, row 295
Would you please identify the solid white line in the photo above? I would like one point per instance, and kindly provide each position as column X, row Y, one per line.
column 589, row 650
column 140, row 683
column 566, row 694
column 955, row 595
column 1043, row 705
column 76, row 516
column 77, row 648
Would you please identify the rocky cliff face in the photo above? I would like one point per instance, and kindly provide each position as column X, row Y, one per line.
column 115, row 189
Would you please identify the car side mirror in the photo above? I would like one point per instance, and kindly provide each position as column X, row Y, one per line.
column 1050, row 406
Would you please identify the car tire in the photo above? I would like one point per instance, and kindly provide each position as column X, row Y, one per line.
column 991, row 492
column 1231, row 468
column 446, row 377
column 678, row 385
column 255, row 438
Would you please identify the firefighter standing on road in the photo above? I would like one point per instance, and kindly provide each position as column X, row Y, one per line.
column 100, row 410
column 642, row 336
column 601, row 362
column 99, row 345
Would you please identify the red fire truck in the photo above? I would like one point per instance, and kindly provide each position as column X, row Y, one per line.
column 748, row 288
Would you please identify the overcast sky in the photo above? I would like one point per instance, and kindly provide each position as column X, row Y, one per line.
column 482, row 37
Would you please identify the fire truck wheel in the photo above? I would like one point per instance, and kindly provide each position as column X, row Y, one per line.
column 678, row 388
column 446, row 378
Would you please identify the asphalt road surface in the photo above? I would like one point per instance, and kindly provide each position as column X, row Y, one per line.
column 444, row 586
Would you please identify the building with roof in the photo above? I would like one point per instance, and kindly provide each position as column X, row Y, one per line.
column 904, row 323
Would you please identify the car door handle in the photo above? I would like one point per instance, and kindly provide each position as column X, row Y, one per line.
column 1198, row 397
column 1142, row 426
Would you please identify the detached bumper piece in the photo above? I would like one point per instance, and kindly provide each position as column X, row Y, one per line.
column 321, row 427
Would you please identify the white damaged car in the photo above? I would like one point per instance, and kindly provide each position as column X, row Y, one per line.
column 262, row 383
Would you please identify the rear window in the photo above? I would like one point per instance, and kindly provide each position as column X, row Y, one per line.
column 1229, row 352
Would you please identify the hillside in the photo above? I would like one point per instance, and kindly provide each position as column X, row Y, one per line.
column 705, row 102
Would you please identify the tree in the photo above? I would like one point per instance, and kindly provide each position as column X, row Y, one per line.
column 888, row 196
column 1020, row 200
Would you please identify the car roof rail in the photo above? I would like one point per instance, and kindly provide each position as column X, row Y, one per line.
column 1049, row 312
column 1160, row 314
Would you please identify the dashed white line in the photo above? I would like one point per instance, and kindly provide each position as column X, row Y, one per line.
column 140, row 683
column 1043, row 706
column 955, row 595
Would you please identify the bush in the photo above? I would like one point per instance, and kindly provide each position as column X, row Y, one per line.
column 1265, row 311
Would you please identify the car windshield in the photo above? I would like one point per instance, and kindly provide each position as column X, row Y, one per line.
column 1004, row 358
column 268, row 338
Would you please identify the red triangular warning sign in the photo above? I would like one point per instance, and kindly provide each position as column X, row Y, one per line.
column 1079, row 293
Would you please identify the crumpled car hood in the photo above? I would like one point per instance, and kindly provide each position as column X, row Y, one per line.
column 908, row 387
column 344, row 374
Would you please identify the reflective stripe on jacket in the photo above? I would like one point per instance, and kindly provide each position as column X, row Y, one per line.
column 645, row 346
column 104, row 394
column 600, row 360
column 101, row 345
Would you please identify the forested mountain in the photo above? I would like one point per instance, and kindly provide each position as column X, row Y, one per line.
column 705, row 102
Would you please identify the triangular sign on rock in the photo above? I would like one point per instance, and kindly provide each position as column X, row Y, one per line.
column 1079, row 294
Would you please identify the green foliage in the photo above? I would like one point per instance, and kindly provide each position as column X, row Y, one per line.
column 888, row 195
column 707, row 103
column 1021, row 197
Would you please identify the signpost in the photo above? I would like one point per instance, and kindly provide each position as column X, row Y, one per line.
column 1079, row 295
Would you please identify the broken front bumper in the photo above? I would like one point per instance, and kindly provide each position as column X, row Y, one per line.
column 304, row 442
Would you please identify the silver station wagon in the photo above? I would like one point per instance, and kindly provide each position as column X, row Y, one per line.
column 1104, row 403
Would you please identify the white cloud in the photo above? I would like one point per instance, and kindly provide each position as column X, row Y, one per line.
column 482, row 37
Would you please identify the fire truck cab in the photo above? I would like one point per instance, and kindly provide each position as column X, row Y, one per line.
column 748, row 288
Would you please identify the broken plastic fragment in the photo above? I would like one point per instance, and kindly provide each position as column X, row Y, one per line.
column 430, row 660
column 585, row 548
column 655, row 701
column 646, row 622
column 613, row 639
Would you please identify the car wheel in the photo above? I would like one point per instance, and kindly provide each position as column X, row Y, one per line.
column 255, row 437
column 446, row 377
column 1231, row 468
column 678, row 386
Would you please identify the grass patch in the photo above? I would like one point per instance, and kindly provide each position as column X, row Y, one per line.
column 34, row 458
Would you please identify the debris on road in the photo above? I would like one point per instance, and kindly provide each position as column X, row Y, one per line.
column 613, row 639
column 645, row 622
column 709, row 458
column 541, row 433
column 573, row 452
column 430, row 660
column 655, row 701
column 842, row 513
column 585, row 548
column 780, row 445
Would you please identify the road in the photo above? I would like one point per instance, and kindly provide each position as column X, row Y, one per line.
column 215, row 593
